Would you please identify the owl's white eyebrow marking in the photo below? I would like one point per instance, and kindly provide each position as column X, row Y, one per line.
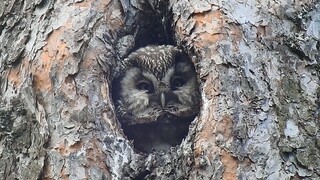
column 149, row 76
column 168, row 75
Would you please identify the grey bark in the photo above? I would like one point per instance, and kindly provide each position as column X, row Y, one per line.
column 258, row 66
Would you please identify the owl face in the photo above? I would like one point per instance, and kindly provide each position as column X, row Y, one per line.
column 159, row 84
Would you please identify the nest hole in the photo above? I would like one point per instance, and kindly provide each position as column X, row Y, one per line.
column 153, row 27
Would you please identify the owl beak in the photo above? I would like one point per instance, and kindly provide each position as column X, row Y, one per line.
column 162, row 99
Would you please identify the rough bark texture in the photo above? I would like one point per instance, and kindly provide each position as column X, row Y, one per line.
column 258, row 64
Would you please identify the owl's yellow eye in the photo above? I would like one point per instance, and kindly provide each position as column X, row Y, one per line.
column 177, row 82
column 145, row 86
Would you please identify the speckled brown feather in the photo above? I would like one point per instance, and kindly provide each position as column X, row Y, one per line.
column 154, row 59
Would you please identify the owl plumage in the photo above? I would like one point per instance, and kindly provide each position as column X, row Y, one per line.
column 158, row 85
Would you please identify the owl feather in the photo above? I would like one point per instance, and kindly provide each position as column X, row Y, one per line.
column 158, row 83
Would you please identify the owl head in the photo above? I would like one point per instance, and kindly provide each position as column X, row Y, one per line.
column 158, row 84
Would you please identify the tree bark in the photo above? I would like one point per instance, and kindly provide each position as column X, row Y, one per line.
column 257, row 64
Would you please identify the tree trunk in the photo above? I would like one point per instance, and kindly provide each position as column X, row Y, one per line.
column 257, row 64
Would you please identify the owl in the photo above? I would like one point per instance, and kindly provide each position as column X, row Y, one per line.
column 157, row 92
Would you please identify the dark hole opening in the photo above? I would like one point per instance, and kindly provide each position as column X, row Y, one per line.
column 154, row 28
column 157, row 136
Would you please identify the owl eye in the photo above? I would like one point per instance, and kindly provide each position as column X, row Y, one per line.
column 177, row 82
column 145, row 86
